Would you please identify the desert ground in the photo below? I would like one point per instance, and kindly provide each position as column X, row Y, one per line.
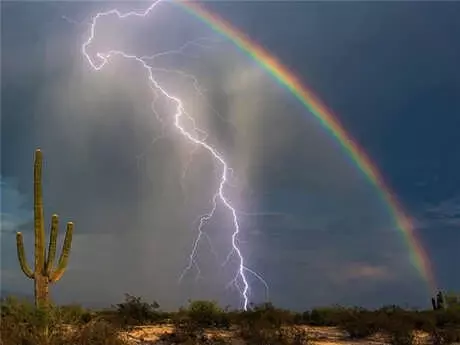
column 317, row 335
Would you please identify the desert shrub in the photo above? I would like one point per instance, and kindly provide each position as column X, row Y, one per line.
column 452, row 301
column 326, row 316
column 24, row 311
column 445, row 336
column 424, row 320
column 267, row 316
column 189, row 332
column 13, row 332
column 99, row 333
column 207, row 314
column 21, row 320
column 301, row 318
column 181, row 339
column 19, row 310
column 185, row 327
column 402, row 337
column 74, row 314
column 399, row 325
column 257, row 334
column 294, row 336
column 447, row 318
column 110, row 315
column 265, row 324
column 23, row 324
column 298, row 318
column 134, row 312
column 358, row 323
column 94, row 333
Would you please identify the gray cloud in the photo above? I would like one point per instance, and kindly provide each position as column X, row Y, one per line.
column 134, row 218
column 439, row 221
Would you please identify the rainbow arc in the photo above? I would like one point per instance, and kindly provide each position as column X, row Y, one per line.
column 330, row 123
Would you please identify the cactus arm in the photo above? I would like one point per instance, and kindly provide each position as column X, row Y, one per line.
column 64, row 258
column 52, row 244
column 39, row 227
column 22, row 256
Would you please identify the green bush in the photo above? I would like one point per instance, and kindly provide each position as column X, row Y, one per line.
column 402, row 337
column 447, row 318
column 399, row 325
column 20, row 310
column 23, row 324
column 258, row 333
column 207, row 314
column 265, row 324
column 445, row 336
column 95, row 333
column 326, row 316
column 267, row 316
column 358, row 323
column 190, row 332
column 134, row 312
column 74, row 314
column 424, row 320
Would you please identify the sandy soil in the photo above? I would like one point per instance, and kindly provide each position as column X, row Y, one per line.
column 318, row 336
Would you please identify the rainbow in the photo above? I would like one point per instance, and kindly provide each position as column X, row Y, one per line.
column 286, row 78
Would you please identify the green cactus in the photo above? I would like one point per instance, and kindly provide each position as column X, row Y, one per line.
column 44, row 273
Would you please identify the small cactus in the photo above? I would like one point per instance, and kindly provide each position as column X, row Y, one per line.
column 45, row 273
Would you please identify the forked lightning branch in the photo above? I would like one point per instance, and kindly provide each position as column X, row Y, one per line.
column 97, row 62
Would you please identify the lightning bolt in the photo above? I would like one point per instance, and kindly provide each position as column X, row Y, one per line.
column 240, row 280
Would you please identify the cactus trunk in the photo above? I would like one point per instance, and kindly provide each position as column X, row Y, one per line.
column 41, row 296
column 41, row 291
column 44, row 271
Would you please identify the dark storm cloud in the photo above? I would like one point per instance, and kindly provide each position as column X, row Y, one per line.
column 333, row 236
column 390, row 71
column 441, row 222
column 91, row 132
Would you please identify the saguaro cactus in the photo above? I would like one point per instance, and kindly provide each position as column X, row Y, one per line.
column 438, row 302
column 45, row 273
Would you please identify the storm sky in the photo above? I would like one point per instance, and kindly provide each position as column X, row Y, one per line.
column 311, row 223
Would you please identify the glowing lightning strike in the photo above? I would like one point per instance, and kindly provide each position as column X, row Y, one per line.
column 193, row 138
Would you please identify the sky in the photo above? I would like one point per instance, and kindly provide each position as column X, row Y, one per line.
column 312, row 225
